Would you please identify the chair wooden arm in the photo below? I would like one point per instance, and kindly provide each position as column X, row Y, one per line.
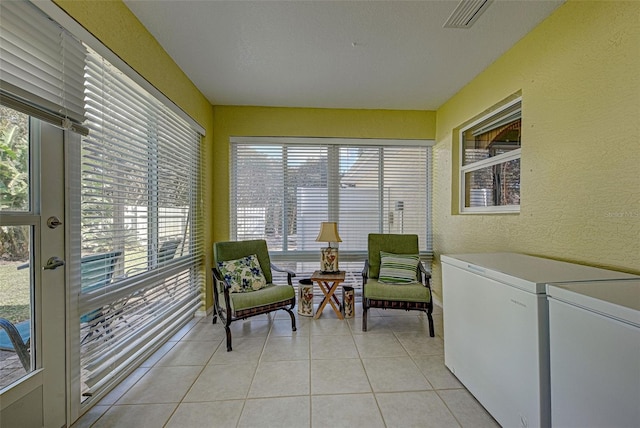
column 365, row 272
column 425, row 275
column 217, row 276
column 290, row 274
column 227, row 315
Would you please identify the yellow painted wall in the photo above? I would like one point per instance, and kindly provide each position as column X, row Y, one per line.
column 302, row 122
column 579, row 73
column 118, row 28
column 114, row 24
column 579, row 76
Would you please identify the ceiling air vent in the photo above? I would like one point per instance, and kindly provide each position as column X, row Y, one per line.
column 466, row 13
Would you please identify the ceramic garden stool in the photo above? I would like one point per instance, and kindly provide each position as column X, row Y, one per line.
column 348, row 302
column 305, row 297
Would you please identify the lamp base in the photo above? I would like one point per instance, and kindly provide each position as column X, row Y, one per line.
column 329, row 260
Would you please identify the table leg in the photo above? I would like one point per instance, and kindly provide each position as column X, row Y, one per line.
column 329, row 297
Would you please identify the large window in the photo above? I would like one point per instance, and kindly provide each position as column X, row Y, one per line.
column 16, row 206
column 283, row 188
column 490, row 162
column 137, row 263
column 133, row 203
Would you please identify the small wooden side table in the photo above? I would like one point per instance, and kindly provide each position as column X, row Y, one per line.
column 328, row 283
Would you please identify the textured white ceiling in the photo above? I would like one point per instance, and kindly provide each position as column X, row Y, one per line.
column 333, row 54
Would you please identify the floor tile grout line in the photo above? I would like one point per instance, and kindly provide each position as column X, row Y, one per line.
column 191, row 387
column 115, row 403
column 255, row 373
column 449, row 409
column 270, row 335
column 375, row 398
column 200, row 373
column 181, row 340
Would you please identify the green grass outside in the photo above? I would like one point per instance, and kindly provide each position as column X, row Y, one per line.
column 15, row 292
column 15, row 286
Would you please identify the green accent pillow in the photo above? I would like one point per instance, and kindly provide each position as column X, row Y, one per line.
column 243, row 274
column 398, row 268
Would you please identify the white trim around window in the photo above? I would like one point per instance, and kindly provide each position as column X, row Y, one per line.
column 489, row 162
column 59, row 15
column 282, row 188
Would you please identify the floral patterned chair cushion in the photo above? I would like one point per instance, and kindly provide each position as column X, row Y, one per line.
column 252, row 256
column 243, row 274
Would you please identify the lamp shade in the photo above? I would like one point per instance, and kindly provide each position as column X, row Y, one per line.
column 328, row 232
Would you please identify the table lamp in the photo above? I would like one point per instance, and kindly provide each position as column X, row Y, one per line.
column 329, row 255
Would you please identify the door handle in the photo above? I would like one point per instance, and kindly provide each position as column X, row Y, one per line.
column 53, row 222
column 53, row 263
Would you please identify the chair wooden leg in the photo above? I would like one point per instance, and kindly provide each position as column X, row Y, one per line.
column 364, row 318
column 430, row 318
column 228, row 330
column 293, row 319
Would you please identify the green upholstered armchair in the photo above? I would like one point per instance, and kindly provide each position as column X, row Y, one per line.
column 231, row 306
column 376, row 294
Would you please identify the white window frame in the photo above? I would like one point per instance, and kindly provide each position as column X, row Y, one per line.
column 144, row 343
column 169, row 291
column 499, row 114
column 333, row 144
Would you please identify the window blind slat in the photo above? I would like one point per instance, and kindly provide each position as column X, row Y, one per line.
column 282, row 191
column 139, row 196
column 40, row 62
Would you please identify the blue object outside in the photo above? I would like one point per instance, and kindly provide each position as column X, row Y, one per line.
column 24, row 328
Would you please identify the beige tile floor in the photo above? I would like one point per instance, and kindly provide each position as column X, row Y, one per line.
column 327, row 374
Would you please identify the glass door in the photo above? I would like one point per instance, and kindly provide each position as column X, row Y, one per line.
column 33, row 381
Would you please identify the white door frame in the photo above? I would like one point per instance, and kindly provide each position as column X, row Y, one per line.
column 40, row 397
column 54, row 295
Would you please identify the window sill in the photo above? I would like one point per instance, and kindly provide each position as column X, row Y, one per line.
column 491, row 210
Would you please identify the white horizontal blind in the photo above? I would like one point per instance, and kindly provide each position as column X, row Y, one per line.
column 140, row 216
column 281, row 192
column 41, row 65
